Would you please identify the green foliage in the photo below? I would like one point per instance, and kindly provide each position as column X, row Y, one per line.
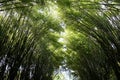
column 39, row 36
column 25, row 41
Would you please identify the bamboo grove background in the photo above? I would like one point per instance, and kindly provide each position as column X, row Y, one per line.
column 31, row 30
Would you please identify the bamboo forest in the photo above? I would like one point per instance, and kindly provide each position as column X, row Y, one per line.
column 59, row 39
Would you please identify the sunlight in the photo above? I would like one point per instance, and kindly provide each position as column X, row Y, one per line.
column 61, row 40
column 53, row 12
column 62, row 74
column 65, row 35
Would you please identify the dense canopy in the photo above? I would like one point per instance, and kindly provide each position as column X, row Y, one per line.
column 59, row 39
